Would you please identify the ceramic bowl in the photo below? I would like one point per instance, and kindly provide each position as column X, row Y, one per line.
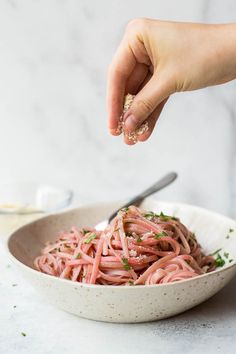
column 126, row 303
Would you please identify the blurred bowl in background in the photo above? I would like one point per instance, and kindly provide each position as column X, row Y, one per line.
column 22, row 202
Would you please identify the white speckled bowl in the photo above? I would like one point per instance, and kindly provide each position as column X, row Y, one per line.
column 126, row 303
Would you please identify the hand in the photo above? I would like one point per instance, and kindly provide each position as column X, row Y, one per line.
column 156, row 59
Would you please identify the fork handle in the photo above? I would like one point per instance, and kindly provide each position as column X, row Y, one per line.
column 162, row 183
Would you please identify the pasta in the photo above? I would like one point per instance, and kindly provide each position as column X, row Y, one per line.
column 137, row 248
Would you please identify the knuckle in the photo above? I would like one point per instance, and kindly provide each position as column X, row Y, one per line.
column 136, row 24
column 145, row 106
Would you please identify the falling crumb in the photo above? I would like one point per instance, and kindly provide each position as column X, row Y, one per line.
column 14, row 284
column 23, row 334
column 133, row 136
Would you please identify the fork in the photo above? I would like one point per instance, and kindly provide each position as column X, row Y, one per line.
column 137, row 200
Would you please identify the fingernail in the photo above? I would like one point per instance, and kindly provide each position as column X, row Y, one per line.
column 130, row 123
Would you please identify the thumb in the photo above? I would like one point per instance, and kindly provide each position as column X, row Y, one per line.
column 146, row 101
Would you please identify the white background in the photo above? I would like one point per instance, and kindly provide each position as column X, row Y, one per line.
column 53, row 62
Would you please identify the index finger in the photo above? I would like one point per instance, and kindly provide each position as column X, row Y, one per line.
column 120, row 69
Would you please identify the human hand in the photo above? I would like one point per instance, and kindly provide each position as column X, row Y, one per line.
column 156, row 59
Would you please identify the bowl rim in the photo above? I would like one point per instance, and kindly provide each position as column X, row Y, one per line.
column 227, row 267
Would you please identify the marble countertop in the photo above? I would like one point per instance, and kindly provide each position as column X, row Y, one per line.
column 209, row 327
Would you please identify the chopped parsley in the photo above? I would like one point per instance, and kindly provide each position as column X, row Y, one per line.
column 160, row 234
column 14, row 284
column 126, row 263
column 227, row 237
column 217, row 251
column 85, row 231
column 131, row 282
column 167, row 217
column 231, row 230
column 219, row 261
column 78, row 256
column 226, row 254
column 162, row 216
column 90, row 238
column 125, row 209
column 230, row 260
column 150, row 215
column 23, row 334
column 139, row 239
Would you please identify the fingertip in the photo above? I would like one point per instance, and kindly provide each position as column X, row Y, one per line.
column 114, row 132
column 144, row 137
column 129, row 141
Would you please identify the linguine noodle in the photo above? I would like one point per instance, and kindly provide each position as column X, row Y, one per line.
column 136, row 248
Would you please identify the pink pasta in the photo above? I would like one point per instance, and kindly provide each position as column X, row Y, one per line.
column 137, row 248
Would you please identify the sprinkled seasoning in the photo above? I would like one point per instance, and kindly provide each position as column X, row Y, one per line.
column 133, row 136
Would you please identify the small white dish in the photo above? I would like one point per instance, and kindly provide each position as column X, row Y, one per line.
column 126, row 303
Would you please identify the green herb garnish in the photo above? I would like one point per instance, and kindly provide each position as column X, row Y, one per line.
column 131, row 282
column 125, row 209
column 139, row 239
column 85, row 231
column 162, row 216
column 160, row 234
column 14, row 284
column 217, row 251
column 78, row 256
column 227, row 237
column 226, row 254
column 150, row 215
column 231, row 230
column 219, row 261
column 126, row 263
column 90, row 238
column 230, row 260
column 23, row 334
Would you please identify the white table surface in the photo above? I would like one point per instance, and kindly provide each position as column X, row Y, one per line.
column 208, row 328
